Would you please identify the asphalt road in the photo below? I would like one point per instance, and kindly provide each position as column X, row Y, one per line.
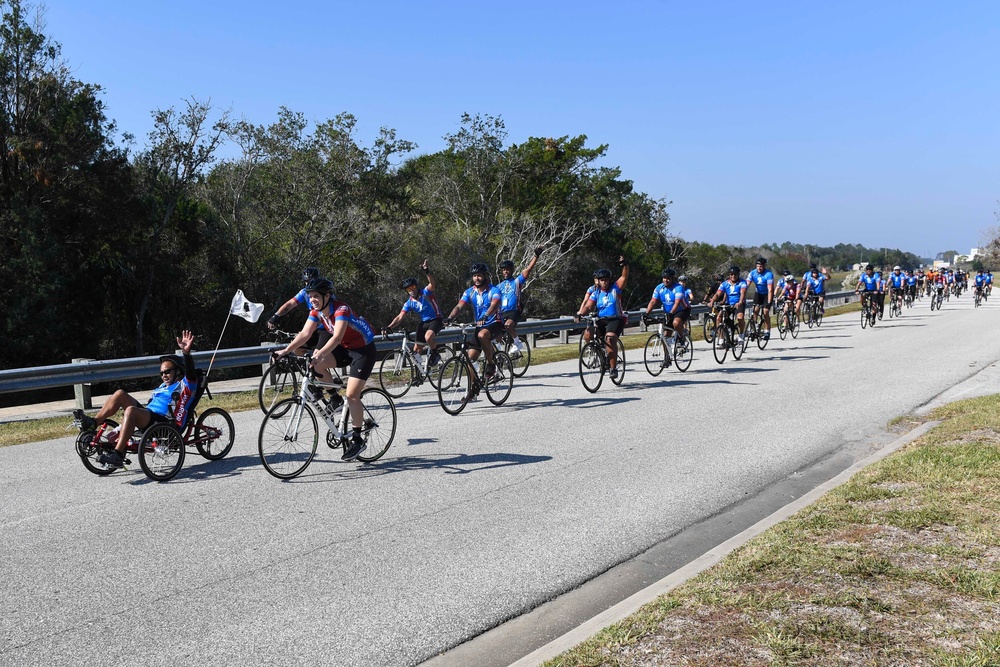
column 467, row 522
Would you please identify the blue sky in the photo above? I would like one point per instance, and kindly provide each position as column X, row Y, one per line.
column 869, row 122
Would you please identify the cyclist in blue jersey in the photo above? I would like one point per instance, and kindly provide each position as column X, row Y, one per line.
column 813, row 283
column 732, row 293
column 352, row 343
column 880, row 293
column 674, row 299
column 911, row 284
column 175, row 393
column 607, row 299
column 896, row 283
column 989, row 284
column 763, row 280
column 979, row 282
column 423, row 303
column 510, row 298
column 868, row 286
column 484, row 298
column 301, row 299
column 689, row 294
column 586, row 298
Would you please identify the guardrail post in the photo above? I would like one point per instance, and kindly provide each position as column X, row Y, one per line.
column 81, row 392
column 531, row 339
column 264, row 366
column 564, row 337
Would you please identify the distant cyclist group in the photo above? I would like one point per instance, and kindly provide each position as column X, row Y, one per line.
column 334, row 336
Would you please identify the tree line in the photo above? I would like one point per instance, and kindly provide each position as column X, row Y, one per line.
column 109, row 248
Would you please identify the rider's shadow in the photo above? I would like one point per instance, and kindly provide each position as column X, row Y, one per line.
column 452, row 464
column 202, row 468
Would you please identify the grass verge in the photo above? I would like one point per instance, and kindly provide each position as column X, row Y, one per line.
column 900, row 566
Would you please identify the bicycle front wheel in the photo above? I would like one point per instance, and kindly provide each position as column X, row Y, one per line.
column 214, row 433
column 396, row 374
column 592, row 366
column 739, row 346
column 793, row 325
column 619, row 364
column 500, row 384
column 720, row 344
column 278, row 383
column 654, row 355
column 683, row 353
column 379, row 424
column 288, row 438
column 454, row 385
column 708, row 328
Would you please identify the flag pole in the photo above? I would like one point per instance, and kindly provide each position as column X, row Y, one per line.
column 216, row 350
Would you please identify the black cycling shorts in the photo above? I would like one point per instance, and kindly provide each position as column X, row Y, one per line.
column 429, row 325
column 612, row 325
column 760, row 299
column 514, row 315
column 684, row 315
column 495, row 329
column 361, row 360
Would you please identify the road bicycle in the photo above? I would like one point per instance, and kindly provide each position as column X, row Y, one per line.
column 895, row 307
column 788, row 322
column 978, row 300
column 594, row 363
column 283, row 375
column 869, row 309
column 755, row 330
column 936, row 299
column 289, row 434
column 161, row 446
column 812, row 312
column 663, row 345
column 520, row 359
column 908, row 299
column 404, row 368
column 461, row 379
column 727, row 337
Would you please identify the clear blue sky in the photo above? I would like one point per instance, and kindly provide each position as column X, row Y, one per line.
column 815, row 122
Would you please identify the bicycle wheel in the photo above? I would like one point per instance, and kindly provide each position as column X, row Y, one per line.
column 279, row 382
column 892, row 309
column 739, row 346
column 720, row 344
column 396, row 374
column 214, row 433
column 864, row 316
column 620, row 364
column 592, row 366
column 762, row 336
column 90, row 451
column 498, row 386
column 793, row 325
column 161, row 452
column 379, row 424
column 809, row 315
column 455, row 385
column 782, row 326
column 522, row 360
column 708, row 328
column 683, row 353
column 434, row 372
column 654, row 355
column 288, row 438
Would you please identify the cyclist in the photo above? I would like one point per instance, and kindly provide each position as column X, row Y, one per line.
column 789, row 292
column 179, row 376
column 763, row 280
column 911, row 285
column 979, row 282
column 484, row 298
column 510, row 298
column 352, row 342
column 897, row 284
column 867, row 287
column 921, row 277
column 734, row 291
column 424, row 303
column 674, row 299
column 607, row 298
column 880, row 293
column 813, row 282
column 688, row 293
column 989, row 284
column 940, row 283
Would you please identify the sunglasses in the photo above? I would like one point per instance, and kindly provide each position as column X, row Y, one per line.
column 168, row 372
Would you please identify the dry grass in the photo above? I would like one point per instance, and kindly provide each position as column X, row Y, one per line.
column 900, row 566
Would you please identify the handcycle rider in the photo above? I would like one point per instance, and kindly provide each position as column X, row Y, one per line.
column 607, row 298
column 351, row 343
column 179, row 377
column 424, row 303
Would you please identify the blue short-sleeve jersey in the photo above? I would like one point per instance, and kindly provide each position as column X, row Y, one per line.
column 817, row 284
column 761, row 280
column 989, row 278
column 159, row 402
column 609, row 303
column 870, row 283
column 510, row 293
column 426, row 306
column 896, row 280
column 668, row 296
column 481, row 301
column 911, row 280
column 732, row 291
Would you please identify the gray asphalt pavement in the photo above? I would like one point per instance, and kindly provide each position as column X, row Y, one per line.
column 467, row 522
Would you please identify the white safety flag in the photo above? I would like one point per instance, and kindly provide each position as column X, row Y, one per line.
column 246, row 309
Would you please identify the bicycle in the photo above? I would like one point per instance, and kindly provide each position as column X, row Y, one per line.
column 755, row 330
column 594, row 361
column 936, row 299
column 289, row 434
column 402, row 369
column 281, row 379
column 459, row 380
column 727, row 337
column 161, row 446
column 788, row 322
column 868, row 310
column 520, row 360
column 664, row 344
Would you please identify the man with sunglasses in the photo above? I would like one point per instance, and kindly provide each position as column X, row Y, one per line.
column 180, row 380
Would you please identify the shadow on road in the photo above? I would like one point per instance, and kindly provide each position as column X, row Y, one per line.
column 452, row 464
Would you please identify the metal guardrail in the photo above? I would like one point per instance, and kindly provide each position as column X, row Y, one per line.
column 90, row 372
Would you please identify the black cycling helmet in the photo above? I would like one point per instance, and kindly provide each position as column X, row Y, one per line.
column 506, row 264
column 309, row 273
column 869, row 268
column 668, row 273
column 734, row 270
column 321, row 285
column 812, row 266
column 786, row 273
column 479, row 267
column 408, row 283
column 603, row 273
column 761, row 260
column 175, row 359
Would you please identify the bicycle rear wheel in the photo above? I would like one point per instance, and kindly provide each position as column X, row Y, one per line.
column 161, row 452
column 434, row 372
column 499, row 386
column 683, row 353
column 379, row 424
column 396, row 374
column 280, row 381
column 654, row 355
column 592, row 366
column 455, row 385
column 620, row 364
column 523, row 360
column 288, row 438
